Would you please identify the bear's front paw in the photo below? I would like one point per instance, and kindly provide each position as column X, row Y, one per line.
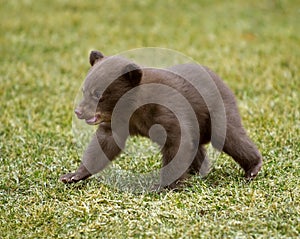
column 72, row 177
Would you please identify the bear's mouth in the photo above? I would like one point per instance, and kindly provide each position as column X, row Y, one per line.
column 94, row 120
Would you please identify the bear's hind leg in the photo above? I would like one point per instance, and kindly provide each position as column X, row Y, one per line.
column 240, row 147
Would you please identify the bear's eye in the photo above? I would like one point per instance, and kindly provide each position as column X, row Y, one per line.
column 97, row 94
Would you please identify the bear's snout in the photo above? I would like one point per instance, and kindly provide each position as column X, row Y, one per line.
column 79, row 113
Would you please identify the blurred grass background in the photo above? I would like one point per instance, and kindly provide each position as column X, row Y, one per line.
column 253, row 46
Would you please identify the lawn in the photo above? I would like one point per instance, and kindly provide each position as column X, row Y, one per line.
column 44, row 46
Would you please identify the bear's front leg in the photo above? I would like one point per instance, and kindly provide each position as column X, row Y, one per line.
column 177, row 158
column 100, row 152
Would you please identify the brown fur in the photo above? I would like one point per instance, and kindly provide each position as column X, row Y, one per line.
column 101, row 97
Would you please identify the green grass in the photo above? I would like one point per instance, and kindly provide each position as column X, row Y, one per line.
column 44, row 58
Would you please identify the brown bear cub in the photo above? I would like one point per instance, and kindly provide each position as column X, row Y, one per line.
column 182, row 108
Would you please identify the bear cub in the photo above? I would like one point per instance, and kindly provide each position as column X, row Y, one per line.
column 182, row 108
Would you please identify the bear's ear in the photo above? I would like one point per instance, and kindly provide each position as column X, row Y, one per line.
column 133, row 74
column 95, row 56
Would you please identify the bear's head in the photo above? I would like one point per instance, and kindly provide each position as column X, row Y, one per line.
column 106, row 82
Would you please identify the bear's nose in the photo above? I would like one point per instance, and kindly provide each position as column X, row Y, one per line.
column 78, row 113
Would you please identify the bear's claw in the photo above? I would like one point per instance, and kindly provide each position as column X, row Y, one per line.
column 252, row 173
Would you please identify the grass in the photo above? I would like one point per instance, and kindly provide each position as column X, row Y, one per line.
column 44, row 49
